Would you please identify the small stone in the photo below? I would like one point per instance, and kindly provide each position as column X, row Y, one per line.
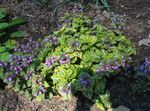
column 120, row 108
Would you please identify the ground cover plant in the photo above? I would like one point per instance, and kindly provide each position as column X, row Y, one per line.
column 142, row 77
column 75, row 58
column 8, row 36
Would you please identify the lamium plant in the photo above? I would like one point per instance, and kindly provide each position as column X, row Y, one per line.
column 84, row 55
column 8, row 36
column 75, row 58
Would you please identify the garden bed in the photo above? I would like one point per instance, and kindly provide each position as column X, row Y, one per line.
column 40, row 22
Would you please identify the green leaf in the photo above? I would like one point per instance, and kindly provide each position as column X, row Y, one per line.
column 4, row 56
column 18, row 34
column 3, row 11
column 100, row 105
column 99, row 86
column 2, row 49
column 88, row 93
column 10, row 44
column 17, row 21
column 87, row 56
column 4, row 26
column 2, row 34
column 2, row 16
column 1, row 74
column 103, row 102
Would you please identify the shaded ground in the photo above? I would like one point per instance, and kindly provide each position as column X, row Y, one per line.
column 138, row 22
column 137, row 27
column 38, row 18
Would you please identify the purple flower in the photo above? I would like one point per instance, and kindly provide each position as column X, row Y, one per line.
column 1, row 64
column 115, row 67
column 75, row 44
column 26, row 78
column 43, row 90
column 40, row 92
column 48, row 63
column 53, row 40
column 65, row 59
column 10, row 79
column 52, row 59
column 39, row 75
column 62, row 62
column 84, row 82
column 40, row 83
column 14, row 75
column 67, row 21
column 144, row 68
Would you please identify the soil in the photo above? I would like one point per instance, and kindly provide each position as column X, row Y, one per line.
column 40, row 22
column 138, row 22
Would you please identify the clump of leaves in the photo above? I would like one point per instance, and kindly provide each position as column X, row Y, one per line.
column 8, row 35
column 103, row 102
column 81, row 48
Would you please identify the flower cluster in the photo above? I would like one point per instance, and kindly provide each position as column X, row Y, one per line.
column 144, row 68
column 108, row 67
column 19, row 64
column 49, row 62
column 25, row 54
column 39, row 86
column 59, row 59
column 31, row 47
column 64, row 59
column 15, row 65
column 52, row 40
column 114, row 66
column 29, row 75
column 118, row 22
column 85, row 80
column 65, row 90
column 75, row 44
column 3, row 64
